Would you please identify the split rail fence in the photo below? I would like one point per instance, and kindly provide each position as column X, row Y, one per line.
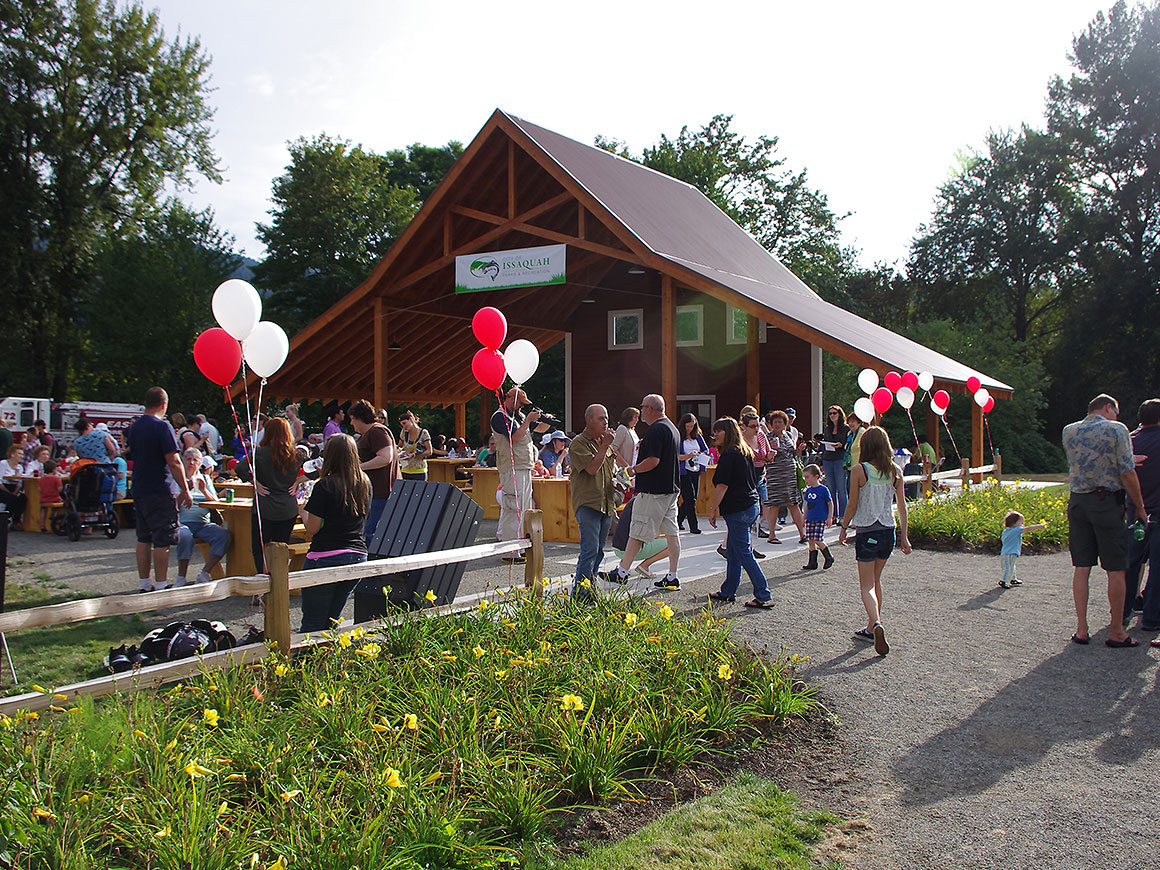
column 275, row 586
column 966, row 474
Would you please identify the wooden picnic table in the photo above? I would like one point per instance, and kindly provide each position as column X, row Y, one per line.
column 552, row 495
column 442, row 470
column 235, row 515
column 241, row 488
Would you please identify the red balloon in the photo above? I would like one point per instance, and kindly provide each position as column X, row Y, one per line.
column 883, row 398
column 973, row 385
column 990, row 406
column 490, row 327
column 942, row 398
column 218, row 355
column 488, row 367
column 909, row 380
column 893, row 381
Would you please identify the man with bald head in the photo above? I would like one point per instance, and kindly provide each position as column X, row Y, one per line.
column 515, row 457
column 593, row 493
column 657, row 484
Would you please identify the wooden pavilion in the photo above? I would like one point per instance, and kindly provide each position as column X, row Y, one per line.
column 663, row 293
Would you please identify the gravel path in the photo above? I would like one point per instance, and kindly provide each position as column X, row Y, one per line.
column 983, row 740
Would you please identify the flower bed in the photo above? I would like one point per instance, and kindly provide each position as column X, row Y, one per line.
column 974, row 519
column 444, row 742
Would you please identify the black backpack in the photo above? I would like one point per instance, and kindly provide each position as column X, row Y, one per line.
column 181, row 640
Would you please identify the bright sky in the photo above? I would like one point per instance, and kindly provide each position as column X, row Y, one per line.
column 873, row 99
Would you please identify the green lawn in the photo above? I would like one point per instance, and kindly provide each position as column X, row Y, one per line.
column 750, row 824
column 61, row 654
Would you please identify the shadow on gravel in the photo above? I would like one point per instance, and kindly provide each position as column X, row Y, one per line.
column 983, row 599
column 1082, row 694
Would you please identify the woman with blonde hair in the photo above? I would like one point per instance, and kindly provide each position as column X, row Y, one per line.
column 336, row 516
column 275, row 475
column 735, row 500
column 875, row 489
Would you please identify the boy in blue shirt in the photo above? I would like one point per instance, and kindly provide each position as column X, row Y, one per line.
column 1012, row 545
column 819, row 514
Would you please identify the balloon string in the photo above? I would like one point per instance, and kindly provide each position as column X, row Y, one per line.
column 254, row 471
column 952, row 437
column 987, row 427
column 913, row 431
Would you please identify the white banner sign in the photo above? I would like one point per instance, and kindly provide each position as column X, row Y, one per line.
column 500, row 270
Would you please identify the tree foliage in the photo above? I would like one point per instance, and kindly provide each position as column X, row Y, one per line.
column 99, row 112
column 337, row 210
column 163, row 269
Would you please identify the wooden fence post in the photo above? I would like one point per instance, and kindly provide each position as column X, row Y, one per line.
column 966, row 471
column 278, row 598
column 997, row 458
column 927, row 471
column 534, row 567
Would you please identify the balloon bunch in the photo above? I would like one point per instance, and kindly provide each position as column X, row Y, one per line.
column 895, row 387
column 490, row 367
column 241, row 334
column 982, row 397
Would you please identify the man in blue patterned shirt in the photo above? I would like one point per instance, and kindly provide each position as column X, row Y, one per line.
column 1100, row 472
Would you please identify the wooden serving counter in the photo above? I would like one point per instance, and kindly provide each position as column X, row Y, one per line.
column 553, row 496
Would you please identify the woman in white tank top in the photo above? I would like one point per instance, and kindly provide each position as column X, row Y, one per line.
column 875, row 490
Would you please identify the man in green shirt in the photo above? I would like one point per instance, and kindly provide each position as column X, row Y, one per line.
column 593, row 493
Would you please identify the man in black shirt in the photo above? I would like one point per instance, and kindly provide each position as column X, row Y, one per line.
column 657, row 483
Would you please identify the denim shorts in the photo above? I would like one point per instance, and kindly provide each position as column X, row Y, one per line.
column 872, row 545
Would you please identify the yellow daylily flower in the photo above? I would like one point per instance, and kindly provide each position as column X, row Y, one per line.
column 479, row 651
column 630, row 619
column 666, row 612
column 81, row 799
column 430, row 596
column 499, row 675
column 392, row 779
column 195, row 770
column 223, row 809
column 323, row 699
column 140, row 733
column 571, row 702
column 236, row 777
column 167, row 831
column 210, row 718
column 484, row 605
column 281, row 670
column 358, row 633
column 40, row 689
column 370, row 651
column 448, row 657
column 170, row 746
column 725, row 672
column 379, row 728
column 288, row 796
column 344, row 639
column 59, row 697
column 411, row 722
column 585, row 583
column 42, row 813
column 277, row 865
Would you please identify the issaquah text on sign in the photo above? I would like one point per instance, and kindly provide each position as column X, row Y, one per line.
column 502, row 270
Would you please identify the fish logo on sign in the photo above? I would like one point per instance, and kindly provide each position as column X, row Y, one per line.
column 489, row 267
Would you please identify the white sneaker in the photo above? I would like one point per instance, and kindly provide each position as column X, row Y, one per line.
column 177, row 583
column 644, row 572
column 203, row 577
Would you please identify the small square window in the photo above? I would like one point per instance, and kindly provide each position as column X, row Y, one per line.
column 690, row 325
column 626, row 329
column 736, row 323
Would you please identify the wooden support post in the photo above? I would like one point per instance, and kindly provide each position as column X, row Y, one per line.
column 486, row 401
column 278, row 598
column 381, row 354
column 976, row 440
column 998, row 472
column 461, row 419
column 669, row 346
column 534, row 567
column 932, row 430
column 753, row 361
column 966, row 476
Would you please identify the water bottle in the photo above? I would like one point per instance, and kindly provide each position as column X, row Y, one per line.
column 1138, row 530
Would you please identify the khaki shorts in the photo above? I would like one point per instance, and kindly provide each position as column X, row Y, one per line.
column 653, row 515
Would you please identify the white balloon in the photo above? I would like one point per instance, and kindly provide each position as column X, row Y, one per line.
column 265, row 348
column 981, row 396
column 864, row 409
column 905, row 397
column 867, row 381
column 925, row 381
column 521, row 359
column 934, row 407
column 237, row 308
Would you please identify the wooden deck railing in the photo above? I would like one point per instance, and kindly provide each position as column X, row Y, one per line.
column 275, row 586
column 966, row 474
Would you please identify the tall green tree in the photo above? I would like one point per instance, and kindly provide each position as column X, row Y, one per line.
column 163, row 269
column 99, row 112
column 996, row 249
column 751, row 183
column 1107, row 117
column 336, row 214
column 421, row 167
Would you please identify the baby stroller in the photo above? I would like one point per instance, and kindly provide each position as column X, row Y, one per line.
column 88, row 501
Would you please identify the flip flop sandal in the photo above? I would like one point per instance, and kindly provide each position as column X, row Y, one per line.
column 717, row 596
column 1075, row 638
column 757, row 602
column 1122, row 644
